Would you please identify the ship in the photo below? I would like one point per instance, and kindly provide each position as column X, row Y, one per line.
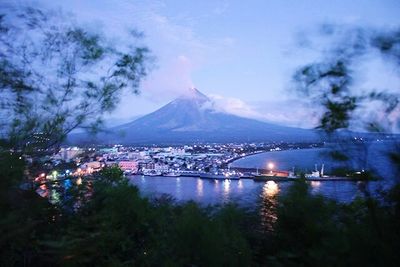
column 151, row 173
column 171, row 174
column 218, row 175
column 316, row 174
column 276, row 176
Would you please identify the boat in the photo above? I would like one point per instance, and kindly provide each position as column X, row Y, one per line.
column 172, row 174
column 220, row 176
column 212, row 176
column 266, row 177
column 276, row 176
column 292, row 175
column 315, row 174
column 152, row 173
column 255, row 173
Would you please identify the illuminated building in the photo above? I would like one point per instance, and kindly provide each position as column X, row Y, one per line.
column 128, row 165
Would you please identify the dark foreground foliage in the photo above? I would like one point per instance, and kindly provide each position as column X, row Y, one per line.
column 106, row 222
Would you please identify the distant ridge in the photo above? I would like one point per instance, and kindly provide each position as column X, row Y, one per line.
column 188, row 119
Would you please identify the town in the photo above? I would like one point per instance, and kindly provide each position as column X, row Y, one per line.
column 153, row 160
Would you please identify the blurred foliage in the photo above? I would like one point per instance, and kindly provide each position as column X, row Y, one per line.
column 332, row 82
column 105, row 221
column 110, row 174
column 116, row 226
column 56, row 76
column 353, row 118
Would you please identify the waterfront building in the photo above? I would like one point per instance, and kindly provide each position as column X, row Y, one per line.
column 129, row 165
column 161, row 167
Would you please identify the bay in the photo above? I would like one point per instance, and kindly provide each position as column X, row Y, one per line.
column 247, row 192
column 244, row 192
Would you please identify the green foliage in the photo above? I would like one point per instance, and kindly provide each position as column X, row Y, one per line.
column 116, row 226
column 201, row 239
column 47, row 83
column 106, row 222
column 12, row 167
column 315, row 231
column 306, row 230
column 54, row 77
column 330, row 83
column 111, row 175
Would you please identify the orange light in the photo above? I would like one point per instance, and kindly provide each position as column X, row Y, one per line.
column 271, row 165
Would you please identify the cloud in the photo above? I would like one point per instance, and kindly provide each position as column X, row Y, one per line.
column 221, row 8
column 170, row 80
column 291, row 112
column 285, row 112
column 232, row 106
column 178, row 48
column 180, row 52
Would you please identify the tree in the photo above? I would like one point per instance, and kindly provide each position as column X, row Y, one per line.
column 56, row 76
column 332, row 84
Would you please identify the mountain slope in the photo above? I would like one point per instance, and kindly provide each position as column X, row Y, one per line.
column 186, row 120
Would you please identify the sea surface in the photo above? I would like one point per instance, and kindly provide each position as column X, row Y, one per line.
column 247, row 192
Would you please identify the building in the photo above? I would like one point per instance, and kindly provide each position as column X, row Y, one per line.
column 68, row 154
column 92, row 166
column 128, row 165
column 161, row 167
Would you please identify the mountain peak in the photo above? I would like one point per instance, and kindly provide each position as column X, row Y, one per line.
column 194, row 94
column 187, row 120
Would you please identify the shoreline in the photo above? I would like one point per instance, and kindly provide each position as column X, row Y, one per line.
column 264, row 178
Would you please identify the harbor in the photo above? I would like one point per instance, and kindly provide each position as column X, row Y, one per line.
column 262, row 175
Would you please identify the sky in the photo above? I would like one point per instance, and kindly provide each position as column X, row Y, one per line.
column 241, row 54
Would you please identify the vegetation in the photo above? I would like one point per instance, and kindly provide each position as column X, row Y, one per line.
column 56, row 76
column 343, row 102
column 106, row 222
column 116, row 226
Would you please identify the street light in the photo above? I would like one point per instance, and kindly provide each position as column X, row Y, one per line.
column 271, row 166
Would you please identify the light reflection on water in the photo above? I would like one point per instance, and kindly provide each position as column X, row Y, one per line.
column 178, row 187
column 268, row 205
column 270, row 189
column 315, row 186
column 216, row 187
column 240, row 185
column 199, row 188
column 245, row 192
column 306, row 159
column 226, row 191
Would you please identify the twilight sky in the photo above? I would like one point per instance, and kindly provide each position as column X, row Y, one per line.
column 240, row 53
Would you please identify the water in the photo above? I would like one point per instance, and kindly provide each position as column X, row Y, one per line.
column 300, row 159
column 247, row 192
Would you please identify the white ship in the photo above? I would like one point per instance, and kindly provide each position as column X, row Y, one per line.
column 226, row 175
column 316, row 173
column 172, row 174
column 151, row 173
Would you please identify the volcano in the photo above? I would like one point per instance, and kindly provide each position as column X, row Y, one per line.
column 190, row 119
